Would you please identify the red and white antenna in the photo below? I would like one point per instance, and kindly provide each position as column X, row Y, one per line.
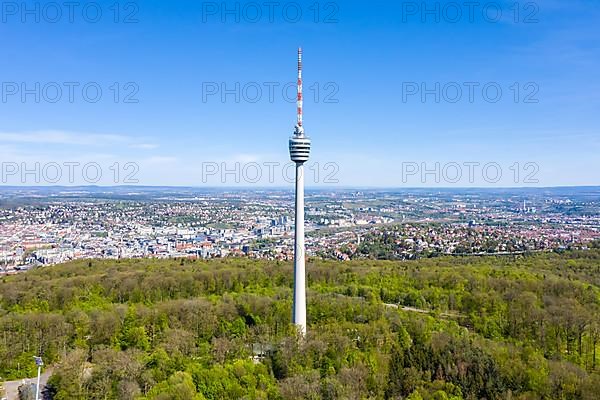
column 300, row 100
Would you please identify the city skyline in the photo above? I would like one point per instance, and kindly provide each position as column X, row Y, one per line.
column 46, row 226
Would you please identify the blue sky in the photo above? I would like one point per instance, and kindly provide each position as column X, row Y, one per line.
column 368, row 126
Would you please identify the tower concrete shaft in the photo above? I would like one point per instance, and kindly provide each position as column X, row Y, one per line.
column 299, row 258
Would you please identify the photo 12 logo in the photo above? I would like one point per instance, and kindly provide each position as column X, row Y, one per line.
column 269, row 12
column 69, row 92
column 229, row 173
column 469, row 172
column 271, row 92
column 54, row 12
column 454, row 12
column 469, row 92
column 68, row 172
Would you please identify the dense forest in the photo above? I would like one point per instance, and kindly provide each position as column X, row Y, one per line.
column 525, row 327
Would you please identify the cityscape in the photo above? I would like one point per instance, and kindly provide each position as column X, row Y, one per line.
column 47, row 226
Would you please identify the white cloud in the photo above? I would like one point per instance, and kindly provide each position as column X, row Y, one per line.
column 144, row 146
column 66, row 138
column 159, row 160
column 62, row 137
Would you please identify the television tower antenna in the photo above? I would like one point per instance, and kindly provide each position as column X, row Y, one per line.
column 299, row 153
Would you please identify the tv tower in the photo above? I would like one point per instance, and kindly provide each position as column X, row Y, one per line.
column 299, row 153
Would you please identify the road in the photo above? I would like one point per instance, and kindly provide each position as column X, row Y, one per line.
column 12, row 387
column 422, row 311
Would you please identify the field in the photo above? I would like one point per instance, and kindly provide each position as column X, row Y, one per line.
column 524, row 327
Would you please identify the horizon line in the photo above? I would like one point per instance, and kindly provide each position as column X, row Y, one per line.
column 240, row 187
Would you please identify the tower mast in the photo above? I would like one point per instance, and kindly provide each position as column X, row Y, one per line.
column 300, row 100
column 299, row 153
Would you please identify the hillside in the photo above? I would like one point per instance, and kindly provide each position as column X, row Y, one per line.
column 444, row 328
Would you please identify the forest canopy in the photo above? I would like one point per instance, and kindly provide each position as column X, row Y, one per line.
column 444, row 328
